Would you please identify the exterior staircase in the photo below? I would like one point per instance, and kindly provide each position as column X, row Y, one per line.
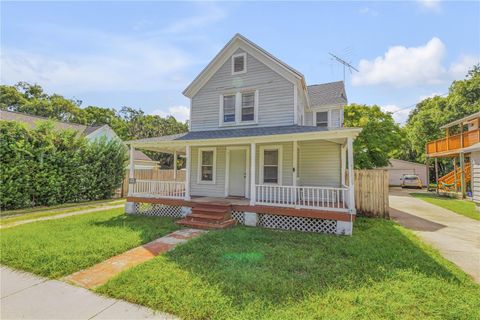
column 209, row 215
column 447, row 182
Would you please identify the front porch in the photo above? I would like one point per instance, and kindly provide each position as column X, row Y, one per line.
column 289, row 177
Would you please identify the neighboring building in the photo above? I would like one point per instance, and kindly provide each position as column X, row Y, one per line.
column 398, row 168
column 142, row 161
column 463, row 148
column 263, row 148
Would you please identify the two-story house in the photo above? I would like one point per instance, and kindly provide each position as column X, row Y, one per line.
column 263, row 149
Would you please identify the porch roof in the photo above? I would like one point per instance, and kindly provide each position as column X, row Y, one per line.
column 178, row 142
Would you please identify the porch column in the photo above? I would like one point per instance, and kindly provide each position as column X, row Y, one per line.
column 462, row 177
column 131, row 174
column 343, row 160
column 187, row 173
column 295, row 171
column 436, row 175
column 130, row 206
column 175, row 166
column 351, row 181
column 252, row 174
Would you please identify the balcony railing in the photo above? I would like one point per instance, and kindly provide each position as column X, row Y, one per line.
column 159, row 189
column 335, row 199
column 455, row 142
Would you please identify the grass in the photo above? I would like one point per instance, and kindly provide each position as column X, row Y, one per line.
column 382, row 272
column 463, row 207
column 56, row 248
column 36, row 213
column 5, row 213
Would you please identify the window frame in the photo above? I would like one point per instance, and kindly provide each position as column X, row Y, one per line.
column 238, row 108
column 244, row 55
column 328, row 118
column 234, row 108
column 200, row 165
column 279, row 148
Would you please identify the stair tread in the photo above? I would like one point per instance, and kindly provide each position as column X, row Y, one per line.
column 213, row 210
column 206, row 216
column 206, row 225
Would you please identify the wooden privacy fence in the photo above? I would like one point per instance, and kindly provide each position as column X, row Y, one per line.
column 151, row 174
column 371, row 192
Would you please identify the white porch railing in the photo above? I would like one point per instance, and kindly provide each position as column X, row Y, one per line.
column 335, row 199
column 161, row 189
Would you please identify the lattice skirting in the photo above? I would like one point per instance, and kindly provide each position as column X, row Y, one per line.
column 297, row 223
column 239, row 216
column 151, row 209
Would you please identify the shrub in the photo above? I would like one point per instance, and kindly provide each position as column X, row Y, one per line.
column 46, row 167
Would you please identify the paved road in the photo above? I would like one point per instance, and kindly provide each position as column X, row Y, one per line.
column 25, row 296
column 455, row 236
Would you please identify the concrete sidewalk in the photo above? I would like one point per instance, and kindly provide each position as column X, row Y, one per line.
column 25, row 296
column 455, row 236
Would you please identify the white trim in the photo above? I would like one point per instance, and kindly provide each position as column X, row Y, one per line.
column 351, row 184
column 238, row 41
column 244, row 55
column 247, row 169
column 131, row 173
column 188, row 166
column 252, row 173
column 238, row 108
column 321, row 111
column 199, row 165
column 295, row 163
column 295, row 105
column 278, row 147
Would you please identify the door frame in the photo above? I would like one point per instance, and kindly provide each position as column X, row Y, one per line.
column 247, row 167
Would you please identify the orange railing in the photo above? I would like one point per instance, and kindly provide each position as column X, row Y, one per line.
column 468, row 138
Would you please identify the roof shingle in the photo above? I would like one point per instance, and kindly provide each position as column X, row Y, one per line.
column 327, row 94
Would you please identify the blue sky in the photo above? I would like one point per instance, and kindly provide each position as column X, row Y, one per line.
column 143, row 54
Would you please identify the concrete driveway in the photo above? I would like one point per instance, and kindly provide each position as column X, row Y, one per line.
column 455, row 236
column 25, row 296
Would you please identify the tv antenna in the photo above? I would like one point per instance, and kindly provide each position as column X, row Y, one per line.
column 345, row 65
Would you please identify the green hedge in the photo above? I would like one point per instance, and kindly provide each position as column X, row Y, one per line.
column 47, row 167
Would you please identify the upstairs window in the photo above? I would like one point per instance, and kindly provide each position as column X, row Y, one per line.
column 239, row 63
column 229, row 108
column 322, row 119
column 248, row 106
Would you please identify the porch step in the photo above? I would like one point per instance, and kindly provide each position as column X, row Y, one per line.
column 200, row 216
column 206, row 225
column 211, row 210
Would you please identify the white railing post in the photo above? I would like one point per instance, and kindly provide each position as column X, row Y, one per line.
column 187, row 173
column 175, row 166
column 253, row 194
column 351, row 183
column 131, row 173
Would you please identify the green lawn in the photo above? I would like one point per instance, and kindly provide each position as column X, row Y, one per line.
column 463, row 207
column 382, row 272
column 57, row 248
column 40, row 212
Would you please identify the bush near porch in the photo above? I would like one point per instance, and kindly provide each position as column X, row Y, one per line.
column 382, row 271
column 44, row 167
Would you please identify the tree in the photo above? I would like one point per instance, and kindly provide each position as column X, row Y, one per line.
column 381, row 138
column 429, row 115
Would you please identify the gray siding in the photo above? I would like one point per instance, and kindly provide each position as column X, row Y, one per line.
column 320, row 163
column 275, row 95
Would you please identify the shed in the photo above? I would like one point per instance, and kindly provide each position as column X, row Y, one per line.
column 398, row 168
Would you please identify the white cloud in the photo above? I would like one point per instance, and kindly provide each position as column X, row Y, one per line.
column 400, row 115
column 460, row 68
column 368, row 11
column 119, row 63
column 402, row 66
column 430, row 5
column 181, row 113
column 434, row 94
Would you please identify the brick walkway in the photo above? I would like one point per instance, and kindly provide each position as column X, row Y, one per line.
column 104, row 271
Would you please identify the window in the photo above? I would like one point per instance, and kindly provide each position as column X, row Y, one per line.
column 206, row 165
column 322, row 119
column 229, row 108
column 239, row 63
column 248, row 106
column 271, row 164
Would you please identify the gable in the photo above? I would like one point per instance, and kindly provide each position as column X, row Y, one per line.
column 238, row 42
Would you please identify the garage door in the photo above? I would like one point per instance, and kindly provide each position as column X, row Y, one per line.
column 396, row 175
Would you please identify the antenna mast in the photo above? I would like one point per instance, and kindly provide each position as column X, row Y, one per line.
column 345, row 64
